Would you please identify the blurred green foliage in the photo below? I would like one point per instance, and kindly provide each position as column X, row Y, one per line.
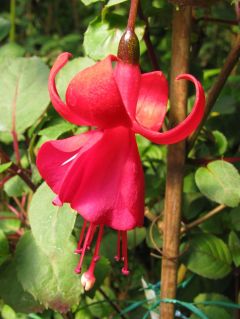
column 36, row 278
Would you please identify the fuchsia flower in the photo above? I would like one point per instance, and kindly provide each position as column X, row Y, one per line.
column 99, row 172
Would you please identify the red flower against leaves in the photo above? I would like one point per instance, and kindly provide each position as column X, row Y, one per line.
column 99, row 172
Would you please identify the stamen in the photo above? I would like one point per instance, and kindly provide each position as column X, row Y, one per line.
column 88, row 279
column 125, row 270
column 96, row 256
column 118, row 256
column 79, row 246
column 79, row 266
column 91, row 237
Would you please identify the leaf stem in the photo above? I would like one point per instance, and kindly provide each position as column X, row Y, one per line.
column 132, row 15
column 202, row 219
column 217, row 87
column 12, row 20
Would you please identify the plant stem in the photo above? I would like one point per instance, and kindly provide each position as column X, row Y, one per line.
column 12, row 19
column 175, row 160
column 113, row 304
column 17, row 170
column 132, row 15
column 202, row 219
column 217, row 87
column 147, row 39
column 221, row 21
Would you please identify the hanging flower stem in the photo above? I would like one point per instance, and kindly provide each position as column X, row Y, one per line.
column 175, row 160
column 132, row 15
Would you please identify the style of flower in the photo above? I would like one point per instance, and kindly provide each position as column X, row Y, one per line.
column 99, row 172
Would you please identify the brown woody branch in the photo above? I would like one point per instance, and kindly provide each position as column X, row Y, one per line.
column 217, row 87
column 175, row 160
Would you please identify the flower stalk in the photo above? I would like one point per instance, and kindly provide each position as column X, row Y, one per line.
column 132, row 15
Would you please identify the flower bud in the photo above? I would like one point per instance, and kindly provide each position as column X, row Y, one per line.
column 88, row 280
column 128, row 49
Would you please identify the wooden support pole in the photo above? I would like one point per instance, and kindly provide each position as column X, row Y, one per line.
column 176, row 158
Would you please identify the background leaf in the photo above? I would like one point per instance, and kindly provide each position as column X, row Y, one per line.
column 11, row 291
column 220, row 182
column 209, row 256
column 25, row 80
column 234, row 245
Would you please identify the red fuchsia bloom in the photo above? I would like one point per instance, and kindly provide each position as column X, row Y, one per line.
column 99, row 172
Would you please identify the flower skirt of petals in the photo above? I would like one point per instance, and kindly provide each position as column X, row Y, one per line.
column 88, row 232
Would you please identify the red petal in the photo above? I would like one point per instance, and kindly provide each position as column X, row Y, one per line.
column 105, row 184
column 185, row 128
column 128, row 80
column 152, row 100
column 55, row 158
column 58, row 104
column 94, row 96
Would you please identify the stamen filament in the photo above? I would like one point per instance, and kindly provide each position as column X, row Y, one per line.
column 125, row 269
column 118, row 256
column 91, row 237
column 79, row 246
column 96, row 256
column 79, row 266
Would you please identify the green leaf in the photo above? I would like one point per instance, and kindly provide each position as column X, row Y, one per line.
column 212, row 311
column 221, row 143
column 136, row 237
column 25, row 81
column 234, row 245
column 51, row 226
column 16, row 187
column 193, row 204
column 102, row 37
column 4, row 27
column 102, row 309
column 209, row 257
column 8, row 313
column 66, row 74
column 5, row 166
column 11, row 50
column 9, row 226
column 49, row 278
column 54, row 131
column 189, row 184
column 88, row 2
column 220, row 182
column 109, row 245
column 4, row 248
column 114, row 2
column 83, row 314
column 45, row 258
column 235, row 218
column 11, row 290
